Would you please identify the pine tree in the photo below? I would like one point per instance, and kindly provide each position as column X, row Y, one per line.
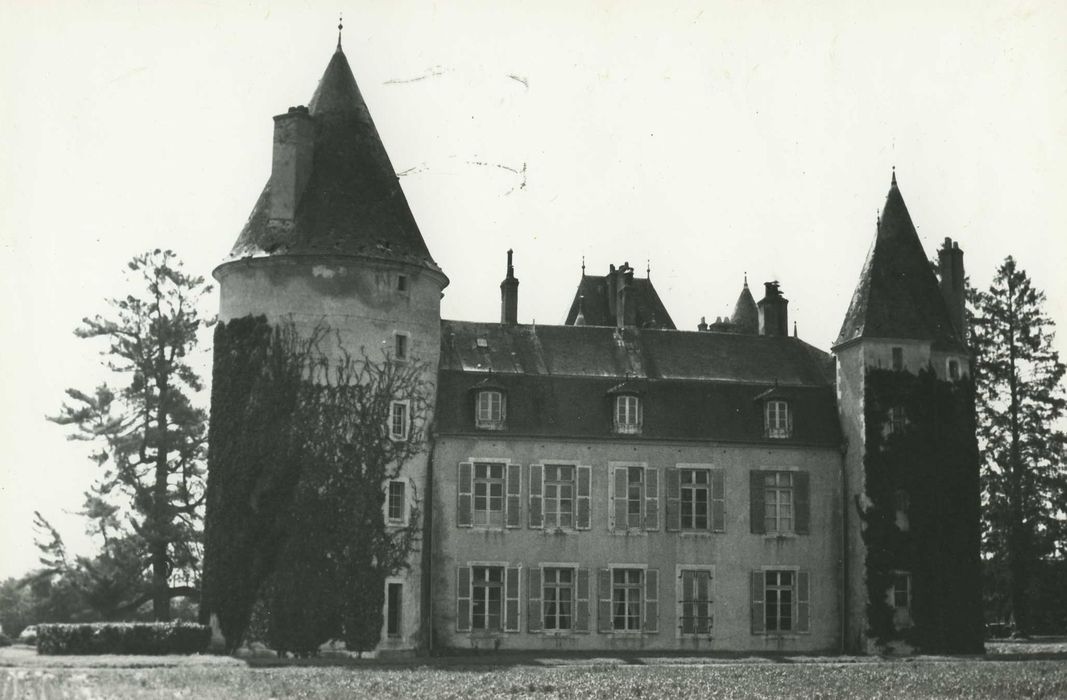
column 1020, row 399
column 150, row 436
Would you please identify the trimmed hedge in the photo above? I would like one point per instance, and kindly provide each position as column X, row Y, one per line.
column 123, row 638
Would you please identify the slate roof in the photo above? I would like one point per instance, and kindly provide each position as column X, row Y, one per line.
column 353, row 203
column 593, row 291
column 746, row 314
column 898, row 294
column 560, row 380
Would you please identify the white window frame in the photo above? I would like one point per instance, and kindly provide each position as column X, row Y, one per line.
column 679, row 597
column 550, row 464
column 795, row 605
column 392, row 581
column 779, row 489
column 389, row 520
column 682, row 488
column 777, row 419
column 488, row 422
column 504, row 566
column 631, row 529
column 401, row 338
column 641, row 599
column 891, row 593
column 573, row 568
column 628, row 421
column 503, row 464
column 393, row 434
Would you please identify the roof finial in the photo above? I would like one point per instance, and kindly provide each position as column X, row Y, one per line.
column 894, row 181
column 794, row 329
column 583, row 266
column 746, row 279
column 648, row 268
column 340, row 26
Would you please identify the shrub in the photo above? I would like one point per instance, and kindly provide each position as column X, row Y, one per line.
column 5, row 641
column 123, row 638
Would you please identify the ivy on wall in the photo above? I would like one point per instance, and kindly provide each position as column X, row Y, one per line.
column 921, row 513
column 300, row 454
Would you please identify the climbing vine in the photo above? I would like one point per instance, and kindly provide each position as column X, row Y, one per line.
column 921, row 509
column 300, row 455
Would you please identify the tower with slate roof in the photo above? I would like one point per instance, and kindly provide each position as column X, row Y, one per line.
column 331, row 243
column 904, row 325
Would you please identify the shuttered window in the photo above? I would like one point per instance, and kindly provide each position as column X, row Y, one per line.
column 629, row 600
column 694, row 601
column 696, row 500
column 781, row 601
column 634, row 498
column 780, row 502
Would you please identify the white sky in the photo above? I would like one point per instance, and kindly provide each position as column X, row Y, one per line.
column 713, row 138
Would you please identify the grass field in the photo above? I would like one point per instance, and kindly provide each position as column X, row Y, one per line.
column 822, row 679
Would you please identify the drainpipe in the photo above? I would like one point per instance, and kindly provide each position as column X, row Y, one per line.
column 427, row 543
column 844, row 549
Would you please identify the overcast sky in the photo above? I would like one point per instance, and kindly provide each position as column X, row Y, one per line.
column 710, row 138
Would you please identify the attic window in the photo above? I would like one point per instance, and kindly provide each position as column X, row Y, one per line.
column 627, row 414
column 777, row 419
column 489, row 410
column 401, row 283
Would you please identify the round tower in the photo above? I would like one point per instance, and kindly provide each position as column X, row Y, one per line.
column 332, row 244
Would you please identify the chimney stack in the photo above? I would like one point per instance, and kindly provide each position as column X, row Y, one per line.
column 950, row 269
column 773, row 311
column 625, row 305
column 509, row 296
column 294, row 144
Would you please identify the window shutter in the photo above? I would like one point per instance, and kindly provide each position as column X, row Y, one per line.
column 585, row 488
column 463, row 508
column 718, row 501
column 581, row 616
column 463, row 599
column 514, row 489
column 756, row 508
column 802, row 484
column 537, row 486
column 511, row 600
column 651, row 621
column 759, row 623
column 534, row 616
column 803, row 611
column 674, row 500
column 651, row 498
column 618, row 499
column 603, row 591
column 789, row 418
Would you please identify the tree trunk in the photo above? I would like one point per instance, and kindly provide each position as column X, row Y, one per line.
column 1017, row 536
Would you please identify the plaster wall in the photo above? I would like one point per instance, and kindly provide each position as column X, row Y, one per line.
column 733, row 554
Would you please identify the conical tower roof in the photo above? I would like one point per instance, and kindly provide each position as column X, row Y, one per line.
column 898, row 294
column 746, row 314
column 353, row 204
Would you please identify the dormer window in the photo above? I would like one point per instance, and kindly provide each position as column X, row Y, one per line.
column 627, row 414
column 777, row 419
column 489, row 410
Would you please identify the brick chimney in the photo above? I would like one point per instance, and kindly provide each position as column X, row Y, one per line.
column 294, row 144
column 509, row 296
column 950, row 270
column 625, row 304
column 773, row 311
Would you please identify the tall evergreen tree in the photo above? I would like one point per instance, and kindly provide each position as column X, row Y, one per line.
column 149, row 434
column 1020, row 400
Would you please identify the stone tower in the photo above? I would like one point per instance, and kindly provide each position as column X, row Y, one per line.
column 331, row 242
column 910, row 466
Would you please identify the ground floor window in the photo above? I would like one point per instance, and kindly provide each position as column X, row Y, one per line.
column 393, row 608
column 487, row 598
column 780, row 601
column 558, row 599
column 694, row 601
column 628, row 599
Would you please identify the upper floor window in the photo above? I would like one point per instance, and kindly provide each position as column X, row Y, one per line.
column 953, row 370
column 396, row 503
column 488, row 495
column 489, row 410
column 900, row 593
column 559, row 496
column 780, row 502
column 400, row 346
column 627, row 414
column 695, row 499
column 898, row 359
column 898, row 420
column 401, row 283
column 777, row 419
column 634, row 498
column 398, row 420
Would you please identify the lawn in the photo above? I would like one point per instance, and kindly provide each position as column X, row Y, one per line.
column 852, row 680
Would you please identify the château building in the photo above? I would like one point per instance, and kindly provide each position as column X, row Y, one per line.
column 616, row 483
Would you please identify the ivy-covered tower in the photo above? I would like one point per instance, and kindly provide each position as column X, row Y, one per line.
column 331, row 244
column 906, row 404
